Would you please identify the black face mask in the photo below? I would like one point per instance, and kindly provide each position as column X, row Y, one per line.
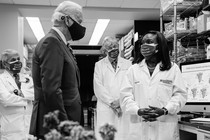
column 77, row 31
column 14, row 67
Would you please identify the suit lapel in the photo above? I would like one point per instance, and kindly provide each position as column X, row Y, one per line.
column 69, row 54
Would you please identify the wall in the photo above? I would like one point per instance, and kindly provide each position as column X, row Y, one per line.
column 11, row 29
column 143, row 27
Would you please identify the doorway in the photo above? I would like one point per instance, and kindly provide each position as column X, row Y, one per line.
column 86, row 64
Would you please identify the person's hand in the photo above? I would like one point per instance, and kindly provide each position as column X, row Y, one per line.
column 144, row 111
column 115, row 104
column 152, row 114
column 118, row 112
column 158, row 111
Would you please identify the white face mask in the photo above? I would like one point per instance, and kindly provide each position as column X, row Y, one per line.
column 148, row 50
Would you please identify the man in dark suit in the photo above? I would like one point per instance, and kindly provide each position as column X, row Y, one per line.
column 54, row 69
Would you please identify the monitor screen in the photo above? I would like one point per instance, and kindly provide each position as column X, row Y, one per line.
column 197, row 79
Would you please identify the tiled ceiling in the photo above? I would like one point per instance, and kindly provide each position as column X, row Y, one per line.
column 121, row 12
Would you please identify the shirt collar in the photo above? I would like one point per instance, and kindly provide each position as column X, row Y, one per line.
column 143, row 63
column 112, row 60
column 60, row 34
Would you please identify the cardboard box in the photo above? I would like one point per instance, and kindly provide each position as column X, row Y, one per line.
column 208, row 23
column 201, row 22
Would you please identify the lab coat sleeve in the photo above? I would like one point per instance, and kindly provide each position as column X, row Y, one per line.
column 127, row 99
column 9, row 99
column 28, row 89
column 99, row 89
column 179, row 96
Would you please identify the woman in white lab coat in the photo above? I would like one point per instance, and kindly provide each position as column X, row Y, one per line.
column 153, row 92
column 15, row 98
column 108, row 76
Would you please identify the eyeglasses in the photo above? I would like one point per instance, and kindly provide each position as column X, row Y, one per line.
column 69, row 17
column 113, row 47
column 13, row 60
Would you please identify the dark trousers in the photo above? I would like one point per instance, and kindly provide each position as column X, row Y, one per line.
column 75, row 112
column 40, row 138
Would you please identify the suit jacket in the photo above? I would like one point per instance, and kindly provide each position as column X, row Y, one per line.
column 15, row 111
column 56, row 80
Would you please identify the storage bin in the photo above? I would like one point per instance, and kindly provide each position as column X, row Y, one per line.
column 201, row 23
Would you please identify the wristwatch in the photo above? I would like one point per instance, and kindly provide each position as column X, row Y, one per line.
column 165, row 111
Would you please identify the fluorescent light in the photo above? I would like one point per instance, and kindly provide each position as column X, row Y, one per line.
column 36, row 27
column 98, row 31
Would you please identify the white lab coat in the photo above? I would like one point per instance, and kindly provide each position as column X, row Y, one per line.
column 107, row 89
column 162, row 89
column 15, row 111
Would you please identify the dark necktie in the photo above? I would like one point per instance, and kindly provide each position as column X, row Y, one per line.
column 114, row 64
column 71, row 50
column 17, row 81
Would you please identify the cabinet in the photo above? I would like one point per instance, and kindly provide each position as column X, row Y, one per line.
column 178, row 9
column 189, row 131
column 126, row 45
column 203, row 135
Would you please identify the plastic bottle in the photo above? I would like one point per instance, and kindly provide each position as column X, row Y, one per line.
column 208, row 52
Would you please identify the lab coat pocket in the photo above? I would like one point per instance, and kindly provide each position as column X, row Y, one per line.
column 12, row 124
column 135, row 118
column 164, row 91
column 138, row 90
column 137, row 131
column 168, row 131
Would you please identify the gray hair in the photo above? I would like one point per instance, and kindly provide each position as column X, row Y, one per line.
column 7, row 54
column 109, row 42
column 69, row 8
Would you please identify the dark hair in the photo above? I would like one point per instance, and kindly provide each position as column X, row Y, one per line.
column 206, row 40
column 163, row 51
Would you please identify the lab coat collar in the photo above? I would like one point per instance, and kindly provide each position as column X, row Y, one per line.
column 7, row 74
column 119, row 63
column 156, row 70
column 119, row 59
column 9, row 78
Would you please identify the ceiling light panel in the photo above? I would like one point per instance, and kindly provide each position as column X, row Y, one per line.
column 36, row 27
column 98, row 31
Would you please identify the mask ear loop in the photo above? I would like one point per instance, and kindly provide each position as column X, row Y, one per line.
column 66, row 20
column 156, row 49
column 62, row 17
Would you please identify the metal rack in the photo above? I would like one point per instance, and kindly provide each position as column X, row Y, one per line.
column 174, row 10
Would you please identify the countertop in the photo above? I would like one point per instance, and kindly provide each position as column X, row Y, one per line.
column 203, row 126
